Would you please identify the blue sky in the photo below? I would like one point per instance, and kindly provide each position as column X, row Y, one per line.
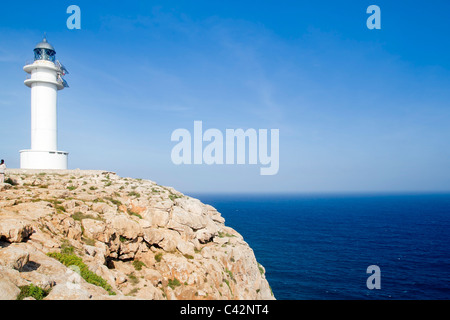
column 358, row 110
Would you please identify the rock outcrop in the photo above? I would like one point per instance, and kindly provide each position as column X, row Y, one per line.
column 78, row 234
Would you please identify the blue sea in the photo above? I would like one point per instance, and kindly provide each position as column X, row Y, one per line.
column 319, row 246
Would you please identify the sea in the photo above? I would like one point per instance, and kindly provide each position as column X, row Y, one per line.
column 319, row 246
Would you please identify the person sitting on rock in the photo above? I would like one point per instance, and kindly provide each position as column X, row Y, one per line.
column 2, row 171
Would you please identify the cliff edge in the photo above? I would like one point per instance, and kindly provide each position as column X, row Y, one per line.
column 84, row 234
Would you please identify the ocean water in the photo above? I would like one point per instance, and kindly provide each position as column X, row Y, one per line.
column 319, row 246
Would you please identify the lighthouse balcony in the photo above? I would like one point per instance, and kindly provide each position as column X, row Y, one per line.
column 43, row 77
column 30, row 65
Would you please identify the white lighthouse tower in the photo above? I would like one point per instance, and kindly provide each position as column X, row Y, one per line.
column 45, row 79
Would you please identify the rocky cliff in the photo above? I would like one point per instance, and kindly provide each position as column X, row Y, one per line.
column 78, row 234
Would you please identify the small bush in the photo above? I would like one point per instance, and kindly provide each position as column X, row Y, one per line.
column 133, row 279
column 134, row 194
column 67, row 248
column 132, row 213
column 261, row 269
column 138, row 265
column 32, row 291
column 225, row 234
column 173, row 196
column 78, row 216
column 88, row 241
column 229, row 273
column 228, row 284
column 60, row 208
column 173, row 283
column 68, row 260
column 158, row 257
column 114, row 201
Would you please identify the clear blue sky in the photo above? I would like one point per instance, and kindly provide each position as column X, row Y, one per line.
column 357, row 109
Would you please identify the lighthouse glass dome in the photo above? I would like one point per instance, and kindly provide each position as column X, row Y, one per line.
column 44, row 51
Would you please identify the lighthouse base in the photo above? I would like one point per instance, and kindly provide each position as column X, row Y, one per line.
column 34, row 159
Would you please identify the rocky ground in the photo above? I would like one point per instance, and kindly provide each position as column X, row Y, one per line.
column 79, row 234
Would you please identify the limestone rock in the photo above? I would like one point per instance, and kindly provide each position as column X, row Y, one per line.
column 186, row 248
column 8, row 291
column 143, row 240
column 14, row 257
column 15, row 230
column 4, row 186
column 126, row 227
column 95, row 229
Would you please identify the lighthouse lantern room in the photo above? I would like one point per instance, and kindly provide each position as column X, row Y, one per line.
column 45, row 78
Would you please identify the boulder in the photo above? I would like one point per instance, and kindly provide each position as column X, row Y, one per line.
column 191, row 205
column 157, row 217
column 153, row 276
column 68, row 291
column 95, row 229
column 165, row 239
column 14, row 257
column 186, row 248
column 208, row 233
column 126, row 227
column 181, row 216
column 102, row 207
column 8, row 291
column 15, row 230
column 5, row 186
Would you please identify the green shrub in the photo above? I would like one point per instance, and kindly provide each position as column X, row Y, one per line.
column 228, row 284
column 230, row 274
column 67, row 248
column 173, row 283
column 78, row 216
column 225, row 234
column 133, row 279
column 32, row 291
column 68, row 260
column 138, row 265
column 132, row 213
column 114, row 201
column 60, row 208
column 158, row 257
column 261, row 269
column 88, row 241
column 173, row 196
column 134, row 194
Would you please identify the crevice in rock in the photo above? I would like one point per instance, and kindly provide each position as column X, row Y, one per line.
column 31, row 266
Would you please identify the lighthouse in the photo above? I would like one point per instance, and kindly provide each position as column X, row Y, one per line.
column 45, row 78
